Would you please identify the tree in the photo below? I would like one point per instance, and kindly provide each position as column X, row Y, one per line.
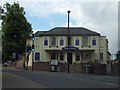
column 16, row 29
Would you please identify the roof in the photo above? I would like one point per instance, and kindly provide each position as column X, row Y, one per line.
column 39, row 33
column 63, row 31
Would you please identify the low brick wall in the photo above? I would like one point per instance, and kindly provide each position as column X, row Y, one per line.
column 19, row 64
column 45, row 66
column 115, row 69
column 78, row 67
column 41, row 66
column 74, row 68
column 12, row 64
column 100, row 69
column 62, row 67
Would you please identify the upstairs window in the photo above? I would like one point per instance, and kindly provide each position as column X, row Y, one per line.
column 54, row 41
column 77, row 42
column 101, row 56
column 85, row 41
column 61, row 41
column 45, row 42
column 94, row 41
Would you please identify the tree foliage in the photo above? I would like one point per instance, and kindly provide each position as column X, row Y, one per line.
column 16, row 30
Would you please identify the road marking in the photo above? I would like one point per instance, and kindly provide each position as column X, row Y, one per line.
column 97, row 81
column 105, row 83
column 112, row 84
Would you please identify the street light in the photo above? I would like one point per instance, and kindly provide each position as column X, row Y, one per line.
column 68, row 42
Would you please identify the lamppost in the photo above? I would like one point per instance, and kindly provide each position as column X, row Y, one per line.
column 68, row 61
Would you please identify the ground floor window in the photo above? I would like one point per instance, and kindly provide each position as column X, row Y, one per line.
column 101, row 56
column 77, row 57
column 86, row 56
column 37, row 56
column 61, row 56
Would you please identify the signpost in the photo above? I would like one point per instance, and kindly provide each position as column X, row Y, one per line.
column 14, row 57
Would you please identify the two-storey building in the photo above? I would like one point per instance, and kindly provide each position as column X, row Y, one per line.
column 86, row 46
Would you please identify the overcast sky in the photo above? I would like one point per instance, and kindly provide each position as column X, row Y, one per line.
column 101, row 16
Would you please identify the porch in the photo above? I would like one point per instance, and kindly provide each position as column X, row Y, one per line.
column 71, row 57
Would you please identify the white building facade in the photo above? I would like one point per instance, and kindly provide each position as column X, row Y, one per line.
column 50, row 45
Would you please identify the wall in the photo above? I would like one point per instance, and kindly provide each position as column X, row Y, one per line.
column 115, row 69
column 103, row 48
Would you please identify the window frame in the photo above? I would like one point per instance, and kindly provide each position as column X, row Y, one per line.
column 36, row 57
column 61, row 55
column 76, row 57
column 85, row 41
column 94, row 42
column 77, row 42
column 101, row 56
column 45, row 41
column 53, row 40
column 61, row 42
column 86, row 56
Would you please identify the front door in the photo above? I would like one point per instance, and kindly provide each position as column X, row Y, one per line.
column 54, row 56
column 69, row 58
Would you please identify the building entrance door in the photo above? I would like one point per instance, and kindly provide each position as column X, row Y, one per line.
column 69, row 58
column 54, row 56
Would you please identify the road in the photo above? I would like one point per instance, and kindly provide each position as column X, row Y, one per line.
column 15, row 78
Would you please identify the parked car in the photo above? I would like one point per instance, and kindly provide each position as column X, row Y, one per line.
column 5, row 64
column 8, row 62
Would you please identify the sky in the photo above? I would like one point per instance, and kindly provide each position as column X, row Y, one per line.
column 100, row 16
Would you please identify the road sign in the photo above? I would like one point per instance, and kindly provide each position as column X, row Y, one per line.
column 70, row 48
column 54, row 62
column 13, row 55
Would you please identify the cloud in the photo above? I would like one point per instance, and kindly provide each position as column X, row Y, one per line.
column 60, row 0
column 101, row 17
column 97, row 16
